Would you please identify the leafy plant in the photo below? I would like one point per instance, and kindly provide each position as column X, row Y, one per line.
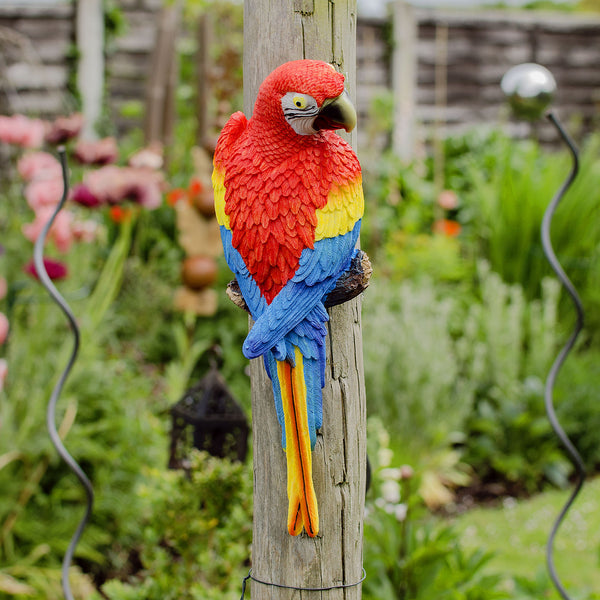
column 194, row 531
column 465, row 371
column 414, row 376
column 506, row 192
column 409, row 554
column 510, row 441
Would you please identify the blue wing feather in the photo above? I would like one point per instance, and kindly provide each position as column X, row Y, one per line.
column 295, row 318
column 316, row 276
column 250, row 291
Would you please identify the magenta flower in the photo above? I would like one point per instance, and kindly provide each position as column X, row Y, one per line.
column 56, row 270
column 22, row 131
column 4, row 327
column 101, row 152
column 82, row 194
column 3, row 372
column 39, row 165
column 64, row 128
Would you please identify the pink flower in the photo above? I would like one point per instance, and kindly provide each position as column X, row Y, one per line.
column 102, row 152
column 55, row 269
column 113, row 185
column 3, row 288
column 82, row 194
column 39, row 165
column 4, row 327
column 150, row 157
column 60, row 232
column 448, row 200
column 64, row 128
column 44, row 193
column 3, row 372
column 144, row 188
column 22, row 131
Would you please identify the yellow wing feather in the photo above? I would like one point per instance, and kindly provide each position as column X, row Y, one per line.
column 345, row 206
column 218, row 181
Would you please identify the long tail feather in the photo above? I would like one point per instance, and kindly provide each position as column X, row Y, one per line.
column 302, row 501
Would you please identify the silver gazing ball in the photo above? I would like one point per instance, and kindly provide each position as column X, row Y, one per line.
column 529, row 88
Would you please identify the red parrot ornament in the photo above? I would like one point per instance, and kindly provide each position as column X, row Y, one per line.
column 289, row 203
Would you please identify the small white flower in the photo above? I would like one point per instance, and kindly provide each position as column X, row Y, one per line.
column 384, row 457
column 390, row 473
column 390, row 490
column 401, row 512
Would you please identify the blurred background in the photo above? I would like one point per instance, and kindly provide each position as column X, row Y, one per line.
column 461, row 322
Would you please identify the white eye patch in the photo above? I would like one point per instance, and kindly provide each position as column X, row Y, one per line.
column 300, row 111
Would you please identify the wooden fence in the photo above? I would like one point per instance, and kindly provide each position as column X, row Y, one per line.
column 426, row 72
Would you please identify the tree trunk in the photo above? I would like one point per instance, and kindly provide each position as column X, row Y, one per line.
column 276, row 31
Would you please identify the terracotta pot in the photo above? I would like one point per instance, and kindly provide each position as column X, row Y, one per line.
column 199, row 271
column 204, row 202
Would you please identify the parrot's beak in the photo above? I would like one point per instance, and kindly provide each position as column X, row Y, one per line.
column 336, row 113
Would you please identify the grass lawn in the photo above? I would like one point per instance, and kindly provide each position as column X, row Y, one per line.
column 517, row 533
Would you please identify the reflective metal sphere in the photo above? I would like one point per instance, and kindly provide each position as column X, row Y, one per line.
column 529, row 88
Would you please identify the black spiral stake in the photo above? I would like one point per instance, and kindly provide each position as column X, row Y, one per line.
column 530, row 88
column 38, row 259
column 551, row 380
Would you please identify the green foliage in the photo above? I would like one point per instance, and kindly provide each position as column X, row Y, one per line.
column 194, row 532
column 477, row 360
column 41, row 503
column 506, row 191
column 136, row 357
column 503, row 187
column 516, row 532
column 226, row 94
column 511, row 440
column 398, row 198
column 415, row 375
column 409, row 554
column 577, row 397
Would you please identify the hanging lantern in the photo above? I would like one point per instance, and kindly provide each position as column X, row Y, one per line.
column 208, row 418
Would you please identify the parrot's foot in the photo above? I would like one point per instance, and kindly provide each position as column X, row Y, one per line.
column 350, row 284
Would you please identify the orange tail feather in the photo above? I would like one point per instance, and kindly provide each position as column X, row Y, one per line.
column 302, row 501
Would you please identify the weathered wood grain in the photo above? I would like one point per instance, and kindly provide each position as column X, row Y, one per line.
column 277, row 31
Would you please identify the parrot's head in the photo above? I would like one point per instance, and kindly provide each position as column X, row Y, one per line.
column 308, row 95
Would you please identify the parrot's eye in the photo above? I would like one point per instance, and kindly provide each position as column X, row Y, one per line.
column 300, row 101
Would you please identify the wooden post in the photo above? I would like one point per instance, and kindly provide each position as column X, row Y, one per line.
column 160, row 103
column 404, row 79
column 204, row 35
column 441, row 104
column 90, row 67
column 276, row 31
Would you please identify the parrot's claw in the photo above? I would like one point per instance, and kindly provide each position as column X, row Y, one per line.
column 350, row 284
